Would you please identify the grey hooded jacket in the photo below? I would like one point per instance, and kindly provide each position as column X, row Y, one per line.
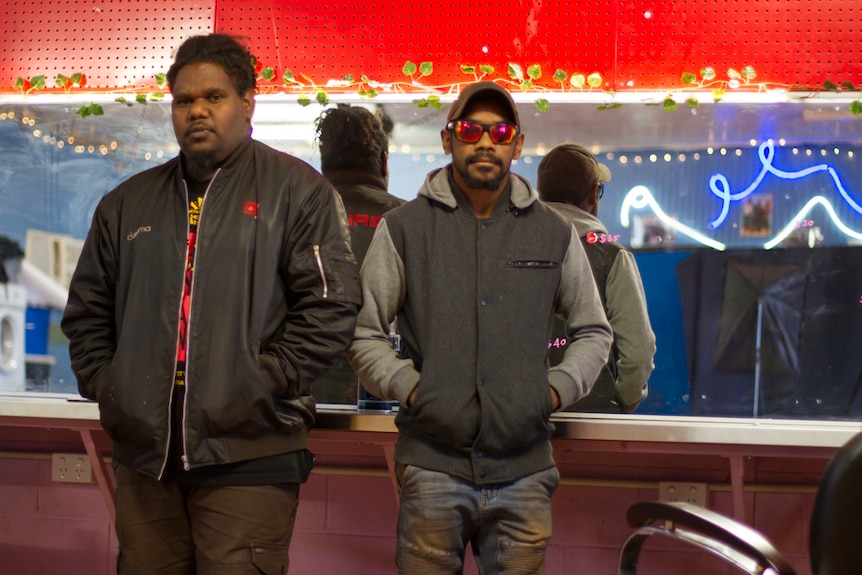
column 475, row 301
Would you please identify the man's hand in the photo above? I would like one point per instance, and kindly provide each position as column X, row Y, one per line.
column 555, row 399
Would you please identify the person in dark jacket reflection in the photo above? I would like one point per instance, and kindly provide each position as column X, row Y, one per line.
column 211, row 291
column 474, row 269
column 354, row 157
column 572, row 181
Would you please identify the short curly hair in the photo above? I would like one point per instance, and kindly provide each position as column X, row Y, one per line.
column 350, row 138
column 221, row 49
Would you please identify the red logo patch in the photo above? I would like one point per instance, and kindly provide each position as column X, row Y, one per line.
column 592, row 238
column 250, row 208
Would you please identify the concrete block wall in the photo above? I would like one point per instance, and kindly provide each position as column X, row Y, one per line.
column 346, row 524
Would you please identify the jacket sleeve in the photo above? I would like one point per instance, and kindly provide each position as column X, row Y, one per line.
column 89, row 319
column 587, row 327
column 371, row 354
column 321, row 282
column 633, row 335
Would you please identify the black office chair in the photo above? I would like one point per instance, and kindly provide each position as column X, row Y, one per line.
column 835, row 541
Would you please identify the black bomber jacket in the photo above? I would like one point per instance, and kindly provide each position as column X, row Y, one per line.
column 275, row 295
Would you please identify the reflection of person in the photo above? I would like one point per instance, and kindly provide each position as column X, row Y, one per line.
column 211, row 291
column 353, row 157
column 474, row 269
column 572, row 181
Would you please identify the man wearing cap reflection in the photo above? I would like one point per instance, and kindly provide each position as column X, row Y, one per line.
column 572, row 181
column 475, row 269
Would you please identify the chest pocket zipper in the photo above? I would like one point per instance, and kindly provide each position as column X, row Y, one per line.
column 319, row 261
column 542, row 264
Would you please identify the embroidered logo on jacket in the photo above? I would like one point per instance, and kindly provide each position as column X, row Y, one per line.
column 250, row 208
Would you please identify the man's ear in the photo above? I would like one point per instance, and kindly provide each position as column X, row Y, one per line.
column 248, row 103
column 446, row 137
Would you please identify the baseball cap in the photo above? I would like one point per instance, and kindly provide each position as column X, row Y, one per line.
column 570, row 170
column 482, row 90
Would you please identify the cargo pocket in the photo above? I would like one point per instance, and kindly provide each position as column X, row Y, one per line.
column 271, row 560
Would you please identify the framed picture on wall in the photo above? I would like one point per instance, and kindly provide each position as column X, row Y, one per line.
column 650, row 232
column 756, row 219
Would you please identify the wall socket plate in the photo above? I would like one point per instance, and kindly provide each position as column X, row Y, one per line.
column 694, row 493
column 71, row 468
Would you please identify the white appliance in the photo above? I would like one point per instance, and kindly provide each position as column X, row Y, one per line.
column 13, row 303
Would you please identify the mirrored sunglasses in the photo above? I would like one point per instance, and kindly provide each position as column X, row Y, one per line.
column 470, row 132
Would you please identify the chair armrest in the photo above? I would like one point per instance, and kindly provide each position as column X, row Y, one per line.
column 714, row 532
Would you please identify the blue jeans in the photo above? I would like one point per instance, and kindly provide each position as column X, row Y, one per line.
column 508, row 525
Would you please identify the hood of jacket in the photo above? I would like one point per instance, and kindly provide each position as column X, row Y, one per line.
column 436, row 187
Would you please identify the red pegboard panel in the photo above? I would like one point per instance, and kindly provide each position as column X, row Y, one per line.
column 632, row 44
column 330, row 40
column 116, row 43
column 785, row 41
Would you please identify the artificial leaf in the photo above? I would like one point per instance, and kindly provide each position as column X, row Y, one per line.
column 594, row 80
column 708, row 74
column 161, row 79
column 669, row 104
column 486, row 69
column 688, row 78
column 534, row 71
column 578, row 81
column 515, row 71
column 468, row 69
column 560, row 75
column 426, row 68
column 542, row 105
column 409, row 68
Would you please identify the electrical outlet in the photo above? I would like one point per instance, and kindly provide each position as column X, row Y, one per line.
column 694, row 493
column 71, row 468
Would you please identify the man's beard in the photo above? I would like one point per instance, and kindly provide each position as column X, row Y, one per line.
column 201, row 165
column 483, row 181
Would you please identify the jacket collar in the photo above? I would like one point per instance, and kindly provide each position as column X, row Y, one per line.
column 355, row 178
column 232, row 160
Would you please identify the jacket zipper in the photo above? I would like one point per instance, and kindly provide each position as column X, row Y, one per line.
column 176, row 346
column 185, row 457
column 319, row 261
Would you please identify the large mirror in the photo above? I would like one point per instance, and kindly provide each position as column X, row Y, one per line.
column 743, row 217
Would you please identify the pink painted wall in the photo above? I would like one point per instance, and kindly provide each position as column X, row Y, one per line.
column 346, row 525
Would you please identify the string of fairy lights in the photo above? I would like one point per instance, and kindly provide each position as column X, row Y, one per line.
column 639, row 197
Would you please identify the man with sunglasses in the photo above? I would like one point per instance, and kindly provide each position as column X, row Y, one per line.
column 475, row 269
column 572, row 180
